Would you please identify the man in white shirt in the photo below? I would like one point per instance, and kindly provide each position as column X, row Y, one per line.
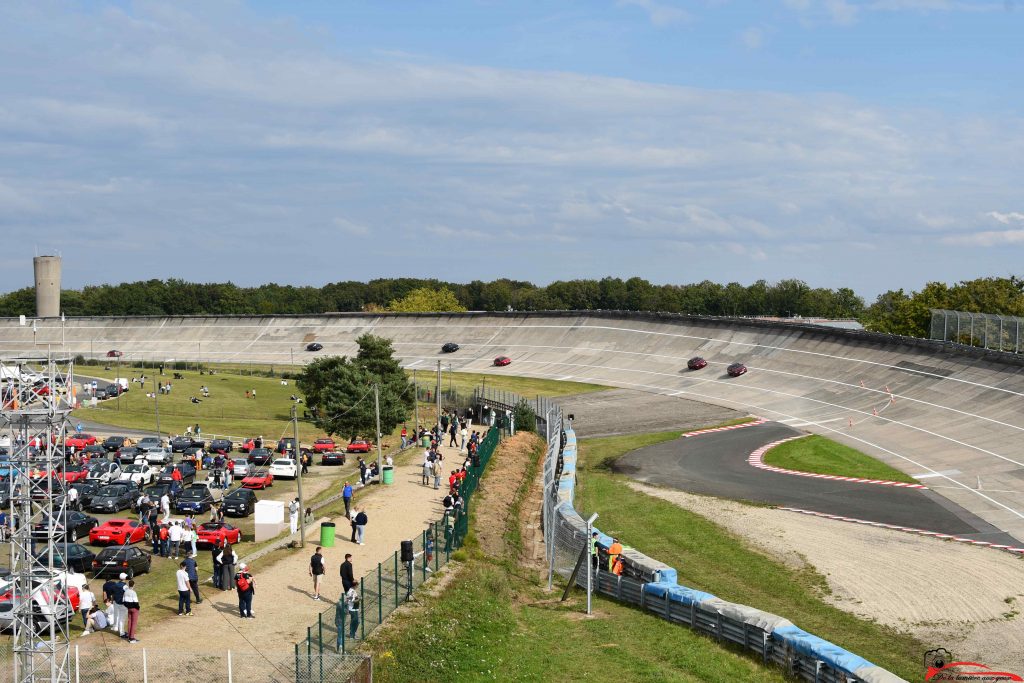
column 293, row 514
column 165, row 507
column 174, row 534
column 184, row 594
column 73, row 498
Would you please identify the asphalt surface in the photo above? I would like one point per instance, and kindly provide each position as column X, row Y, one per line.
column 716, row 465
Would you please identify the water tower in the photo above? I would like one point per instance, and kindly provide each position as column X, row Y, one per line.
column 47, row 269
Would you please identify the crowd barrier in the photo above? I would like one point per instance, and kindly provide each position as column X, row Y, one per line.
column 653, row 586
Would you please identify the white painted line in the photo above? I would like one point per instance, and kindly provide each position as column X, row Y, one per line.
column 943, row 473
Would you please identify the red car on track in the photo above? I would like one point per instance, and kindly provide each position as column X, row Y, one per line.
column 736, row 369
column 215, row 533
column 114, row 353
column 696, row 363
column 79, row 441
column 258, row 480
column 119, row 531
column 73, row 473
column 323, row 445
column 359, row 446
column 502, row 361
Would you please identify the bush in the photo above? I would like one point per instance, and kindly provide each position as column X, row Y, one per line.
column 79, row 359
column 524, row 417
column 180, row 365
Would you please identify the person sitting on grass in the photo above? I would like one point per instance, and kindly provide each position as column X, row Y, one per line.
column 95, row 620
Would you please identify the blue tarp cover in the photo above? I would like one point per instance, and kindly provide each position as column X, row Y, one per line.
column 818, row 648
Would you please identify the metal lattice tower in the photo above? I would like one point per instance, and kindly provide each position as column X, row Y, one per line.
column 37, row 397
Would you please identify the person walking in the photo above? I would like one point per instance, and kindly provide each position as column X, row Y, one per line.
column 361, row 520
column 165, row 507
column 453, row 433
column 427, row 469
column 245, row 584
column 293, row 515
column 227, row 561
column 184, row 591
column 346, row 495
column 362, row 471
column 463, row 433
column 352, row 604
column 352, row 521
column 132, row 607
column 316, row 570
column 348, row 578
column 193, row 575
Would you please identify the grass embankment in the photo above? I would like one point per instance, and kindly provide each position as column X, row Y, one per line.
column 709, row 558
column 528, row 387
column 494, row 621
column 823, row 456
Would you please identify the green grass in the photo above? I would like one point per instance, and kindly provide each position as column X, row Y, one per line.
column 710, row 558
column 528, row 387
column 823, row 456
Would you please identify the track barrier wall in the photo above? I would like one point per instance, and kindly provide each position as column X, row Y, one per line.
column 652, row 585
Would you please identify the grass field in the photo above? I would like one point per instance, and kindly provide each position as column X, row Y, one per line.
column 709, row 558
column 823, row 456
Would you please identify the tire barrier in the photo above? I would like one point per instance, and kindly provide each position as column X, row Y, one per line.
column 652, row 585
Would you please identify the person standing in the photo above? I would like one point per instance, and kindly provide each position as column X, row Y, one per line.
column 463, row 433
column 193, row 537
column 218, row 573
column 614, row 550
column 245, row 584
column 352, row 521
column 193, row 575
column 352, row 603
column 405, row 437
column 86, row 601
column 316, row 570
column 174, row 533
column 362, row 471
column 346, row 495
column 116, row 595
column 427, row 469
column 361, row 520
column 184, row 591
column 227, row 561
column 348, row 578
column 132, row 607
column 165, row 507
column 453, row 433
column 293, row 515
column 438, row 471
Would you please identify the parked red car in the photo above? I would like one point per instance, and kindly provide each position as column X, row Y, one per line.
column 696, row 363
column 119, row 531
column 736, row 369
column 258, row 480
column 214, row 533
column 79, row 441
column 359, row 446
column 73, row 473
column 502, row 361
column 323, row 445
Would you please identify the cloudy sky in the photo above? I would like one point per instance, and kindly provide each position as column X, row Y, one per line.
column 866, row 143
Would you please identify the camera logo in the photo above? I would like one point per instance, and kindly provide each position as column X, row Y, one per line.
column 940, row 665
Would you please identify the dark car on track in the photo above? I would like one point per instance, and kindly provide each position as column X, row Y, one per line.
column 221, row 446
column 95, row 451
column 74, row 525
column 450, row 347
column 114, row 497
column 114, row 353
column 113, row 560
column 240, row 503
column 696, row 363
column 114, row 443
column 736, row 369
column 196, row 498
column 261, row 456
column 314, row 347
column 78, row 558
column 188, row 474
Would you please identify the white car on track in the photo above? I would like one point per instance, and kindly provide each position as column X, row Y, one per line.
column 284, row 468
column 139, row 473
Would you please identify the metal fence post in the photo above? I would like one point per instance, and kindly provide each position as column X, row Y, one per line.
column 77, row 666
column 424, row 533
column 145, row 667
column 362, row 601
column 380, row 595
column 230, row 672
column 296, row 662
column 320, row 632
column 395, row 555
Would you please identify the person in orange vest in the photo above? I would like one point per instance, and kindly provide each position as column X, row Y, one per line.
column 613, row 553
column 617, row 567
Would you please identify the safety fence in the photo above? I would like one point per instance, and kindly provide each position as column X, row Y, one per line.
column 392, row 582
column 987, row 330
column 652, row 585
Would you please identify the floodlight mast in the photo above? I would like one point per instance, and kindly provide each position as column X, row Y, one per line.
column 36, row 397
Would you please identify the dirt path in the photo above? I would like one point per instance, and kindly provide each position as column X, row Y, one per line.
column 497, row 493
column 283, row 603
column 913, row 583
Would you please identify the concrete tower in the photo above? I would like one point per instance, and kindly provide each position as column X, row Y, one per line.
column 47, row 270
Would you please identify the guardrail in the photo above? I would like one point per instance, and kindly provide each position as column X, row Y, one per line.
column 652, row 585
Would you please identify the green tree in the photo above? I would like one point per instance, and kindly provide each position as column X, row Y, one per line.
column 427, row 300
column 524, row 417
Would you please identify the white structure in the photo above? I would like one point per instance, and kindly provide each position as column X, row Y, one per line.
column 47, row 272
column 269, row 519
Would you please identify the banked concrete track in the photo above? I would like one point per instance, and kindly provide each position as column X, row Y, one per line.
column 954, row 416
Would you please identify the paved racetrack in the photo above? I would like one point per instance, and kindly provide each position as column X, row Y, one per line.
column 716, row 464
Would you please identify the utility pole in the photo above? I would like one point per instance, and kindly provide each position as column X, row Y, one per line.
column 416, row 395
column 298, row 477
column 438, row 397
column 156, row 399
column 376, row 410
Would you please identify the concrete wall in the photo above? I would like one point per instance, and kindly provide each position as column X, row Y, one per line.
column 47, row 277
column 957, row 416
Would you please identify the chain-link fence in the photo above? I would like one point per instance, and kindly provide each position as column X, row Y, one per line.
column 986, row 330
column 384, row 589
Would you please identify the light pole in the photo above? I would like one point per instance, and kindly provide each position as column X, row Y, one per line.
column 438, row 392
column 156, row 403
column 590, row 558
column 62, row 329
column 416, row 397
column 376, row 410
column 298, row 477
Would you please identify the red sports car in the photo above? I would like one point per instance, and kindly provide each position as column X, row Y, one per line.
column 73, row 473
column 323, row 445
column 119, row 531
column 258, row 480
column 213, row 533
column 114, row 353
column 79, row 441
column 736, row 369
column 248, row 445
column 359, row 446
column 696, row 363
column 502, row 361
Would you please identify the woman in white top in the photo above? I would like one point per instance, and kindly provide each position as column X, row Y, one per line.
column 131, row 601
column 86, row 599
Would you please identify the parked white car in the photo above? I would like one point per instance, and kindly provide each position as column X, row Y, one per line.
column 103, row 472
column 284, row 468
column 139, row 473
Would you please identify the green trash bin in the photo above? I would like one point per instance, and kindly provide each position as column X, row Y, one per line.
column 327, row 534
column 425, row 441
column 389, row 476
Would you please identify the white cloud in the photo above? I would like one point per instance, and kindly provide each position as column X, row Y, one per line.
column 1006, row 218
column 987, row 238
column 660, row 13
column 349, row 228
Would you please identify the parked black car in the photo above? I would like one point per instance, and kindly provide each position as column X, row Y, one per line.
column 100, row 393
column 332, row 458
column 156, row 492
column 188, row 473
column 260, row 456
column 78, row 557
column 95, row 451
column 114, row 497
column 115, row 559
column 74, row 524
column 86, row 490
column 221, row 446
column 240, row 503
column 314, row 347
column 128, row 455
column 114, row 443
column 196, row 498
column 450, row 347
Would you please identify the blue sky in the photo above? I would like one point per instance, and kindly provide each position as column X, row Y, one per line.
column 866, row 143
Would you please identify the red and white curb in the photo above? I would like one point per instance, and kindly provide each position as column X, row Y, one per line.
column 909, row 530
column 758, row 421
column 756, row 459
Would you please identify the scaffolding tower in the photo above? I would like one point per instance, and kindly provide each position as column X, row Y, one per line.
column 37, row 397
